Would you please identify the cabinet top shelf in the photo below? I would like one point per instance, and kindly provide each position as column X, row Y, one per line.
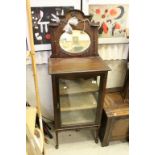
column 76, row 65
column 77, row 86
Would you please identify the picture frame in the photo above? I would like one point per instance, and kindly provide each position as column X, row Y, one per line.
column 109, row 39
column 46, row 6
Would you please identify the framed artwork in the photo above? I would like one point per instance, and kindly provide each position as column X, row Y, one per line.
column 113, row 18
column 42, row 11
column 41, row 17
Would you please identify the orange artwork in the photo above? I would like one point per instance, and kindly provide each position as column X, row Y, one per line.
column 113, row 19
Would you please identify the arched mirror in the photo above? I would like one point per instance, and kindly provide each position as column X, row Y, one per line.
column 77, row 42
column 75, row 35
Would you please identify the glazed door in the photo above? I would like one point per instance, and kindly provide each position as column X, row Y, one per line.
column 78, row 100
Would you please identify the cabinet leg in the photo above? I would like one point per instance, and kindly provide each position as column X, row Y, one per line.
column 57, row 142
column 105, row 143
column 96, row 135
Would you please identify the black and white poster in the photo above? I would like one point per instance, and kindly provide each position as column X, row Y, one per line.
column 41, row 17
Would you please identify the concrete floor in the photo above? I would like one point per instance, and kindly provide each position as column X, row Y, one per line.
column 82, row 143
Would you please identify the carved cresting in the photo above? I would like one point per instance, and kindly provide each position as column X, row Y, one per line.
column 84, row 24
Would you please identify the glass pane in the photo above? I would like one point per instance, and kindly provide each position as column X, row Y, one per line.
column 78, row 100
column 76, row 42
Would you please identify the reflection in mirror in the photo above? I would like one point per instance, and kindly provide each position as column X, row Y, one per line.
column 76, row 42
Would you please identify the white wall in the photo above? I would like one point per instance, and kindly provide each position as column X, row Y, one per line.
column 45, row 89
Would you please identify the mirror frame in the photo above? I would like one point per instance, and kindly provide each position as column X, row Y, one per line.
column 56, row 30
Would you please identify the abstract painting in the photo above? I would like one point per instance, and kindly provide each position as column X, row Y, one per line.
column 41, row 17
column 113, row 19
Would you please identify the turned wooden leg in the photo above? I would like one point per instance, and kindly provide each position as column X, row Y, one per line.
column 57, row 142
column 96, row 135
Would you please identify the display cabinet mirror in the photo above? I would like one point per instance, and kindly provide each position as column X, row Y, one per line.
column 78, row 74
column 76, row 42
column 74, row 36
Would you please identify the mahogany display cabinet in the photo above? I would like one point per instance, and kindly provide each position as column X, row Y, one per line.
column 78, row 74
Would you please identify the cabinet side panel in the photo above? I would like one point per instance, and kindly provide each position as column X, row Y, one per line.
column 55, row 101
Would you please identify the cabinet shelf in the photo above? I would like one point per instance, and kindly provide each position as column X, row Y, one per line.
column 78, row 117
column 78, row 102
column 77, row 86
